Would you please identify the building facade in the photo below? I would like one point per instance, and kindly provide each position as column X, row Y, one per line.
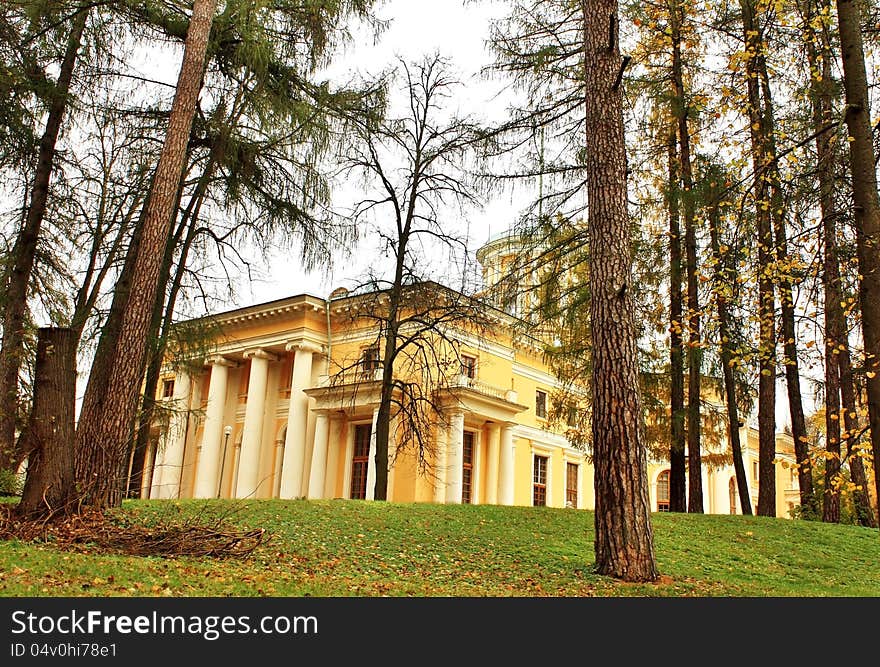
column 286, row 405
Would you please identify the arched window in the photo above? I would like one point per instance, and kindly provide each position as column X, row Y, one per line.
column 663, row 491
column 732, row 490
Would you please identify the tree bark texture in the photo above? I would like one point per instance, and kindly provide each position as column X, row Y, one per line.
column 866, row 205
column 163, row 314
column 624, row 546
column 766, row 291
column 695, row 352
column 677, row 467
column 25, row 248
column 102, row 365
column 106, row 450
column 48, row 436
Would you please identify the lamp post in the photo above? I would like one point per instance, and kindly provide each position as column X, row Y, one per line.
column 227, row 431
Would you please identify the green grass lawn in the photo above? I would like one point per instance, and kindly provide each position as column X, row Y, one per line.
column 353, row 548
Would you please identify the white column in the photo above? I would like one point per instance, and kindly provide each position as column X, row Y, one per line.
column 209, row 457
column 236, row 459
column 505, row 491
column 371, row 459
column 248, row 478
column 709, row 497
column 492, row 463
column 297, row 419
column 334, row 449
column 279, row 460
column 454, row 460
column 440, row 465
column 318, row 469
column 166, row 478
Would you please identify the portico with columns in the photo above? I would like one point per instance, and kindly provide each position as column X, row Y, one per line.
column 285, row 405
column 264, row 417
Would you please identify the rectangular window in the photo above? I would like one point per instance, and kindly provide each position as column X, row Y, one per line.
column 467, row 465
column 469, row 366
column 539, row 481
column 755, row 471
column 541, row 404
column 370, row 359
column 167, row 388
column 663, row 491
column 360, row 461
column 571, row 416
column 571, row 485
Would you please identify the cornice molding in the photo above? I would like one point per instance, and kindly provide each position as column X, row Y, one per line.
column 303, row 345
column 220, row 360
column 259, row 353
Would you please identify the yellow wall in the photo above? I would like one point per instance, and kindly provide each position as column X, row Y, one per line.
column 500, row 364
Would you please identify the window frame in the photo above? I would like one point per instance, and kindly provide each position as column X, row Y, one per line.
column 663, row 504
column 370, row 360
column 540, row 477
column 468, row 370
column 468, row 446
column 541, row 406
column 571, row 469
column 360, row 462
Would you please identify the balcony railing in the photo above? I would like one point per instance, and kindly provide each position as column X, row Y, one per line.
column 465, row 382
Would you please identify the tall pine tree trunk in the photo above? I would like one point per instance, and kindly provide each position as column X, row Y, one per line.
column 766, row 292
column 24, row 250
column 624, row 546
column 783, row 272
column 48, row 436
column 821, row 97
column 163, row 314
column 106, row 447
column 866, row 206
column 695, row 353
column 102, row 365
column 677, row 468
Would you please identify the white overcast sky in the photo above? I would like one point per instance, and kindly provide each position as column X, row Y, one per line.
column 457, row 29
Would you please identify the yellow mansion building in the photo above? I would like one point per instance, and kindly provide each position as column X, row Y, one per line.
column 285, row 406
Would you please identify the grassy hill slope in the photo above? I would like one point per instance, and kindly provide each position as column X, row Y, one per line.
column 356, row 548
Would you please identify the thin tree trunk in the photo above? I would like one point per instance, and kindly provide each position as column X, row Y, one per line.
column 861, row 496
column 108, row 446
column 383, row 419
column 783, row 273
column 821, row 94
column 48, row 437
column 695, row 353
column 835, row 326
column 25, row 248
column 866, row 207
column 766, row 292
column 723, row 274
column 624, row 545
column 677, row 468
column 831, row 494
